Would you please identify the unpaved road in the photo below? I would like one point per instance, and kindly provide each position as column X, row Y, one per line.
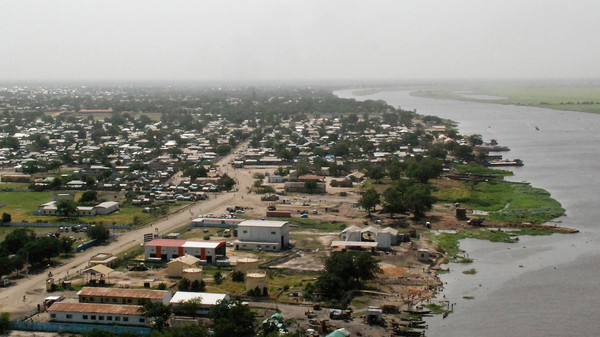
column 33, row 286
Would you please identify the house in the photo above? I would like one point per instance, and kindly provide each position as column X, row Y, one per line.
column 175, row 267
column 273, row 179
column 123, row 296
column 167, row 250
column 263, row 235
column 206, row 300
column 97, row 313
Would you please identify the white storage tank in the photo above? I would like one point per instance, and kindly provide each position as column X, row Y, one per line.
column 256, row 279
column 246, row 264
column 192, row 274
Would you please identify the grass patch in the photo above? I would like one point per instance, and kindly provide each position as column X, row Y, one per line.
column 14, row 186
column 471, row 271
column 299, row 224
column 360, row 302
column 479, row 169
column 436, row 309
column 505, row 202
column 450, row 242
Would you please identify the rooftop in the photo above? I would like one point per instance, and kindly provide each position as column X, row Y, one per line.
column 120, row 292
column 263, row 223
column 205, row 298
column 95, row 308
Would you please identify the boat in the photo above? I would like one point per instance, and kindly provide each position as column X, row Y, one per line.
column 506, row 162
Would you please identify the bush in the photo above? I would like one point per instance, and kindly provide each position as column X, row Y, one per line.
column 162, row 286
column 237, row 276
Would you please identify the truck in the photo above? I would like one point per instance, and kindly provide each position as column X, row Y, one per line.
column 279, row 214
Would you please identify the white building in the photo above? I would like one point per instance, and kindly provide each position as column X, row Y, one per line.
column 106, row 207
column 263, row 235
column 384, row 238
column 167, row 250
column 97, row 313
column 206, row 300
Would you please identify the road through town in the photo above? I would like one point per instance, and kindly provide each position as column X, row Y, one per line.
column 21, row 299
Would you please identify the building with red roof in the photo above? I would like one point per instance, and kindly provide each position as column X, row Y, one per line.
column 167, row 249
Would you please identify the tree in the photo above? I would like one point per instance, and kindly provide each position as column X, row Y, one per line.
column 198, row 286
column 423, row 169
column 218, row 277
column 99, row 232
column 188, row 308
column 237, row 276
column 160, row 312
column 88, row 196
column 184, row 284
column 6, row 217
column 4, row 322
column 42, row 250
column 232, row 318
column 311, row 186
column 223, row 149
column 370, row 200
column 66, row 207
column 65, row 244
column 227, row 182
column 17, row 239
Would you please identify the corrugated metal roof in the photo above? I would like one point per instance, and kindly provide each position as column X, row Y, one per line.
column 95, row 308
column 186, row 259
column 123, row 293
column 204, row 298
column 262, row 223
column 166, row 243
column 203, row 244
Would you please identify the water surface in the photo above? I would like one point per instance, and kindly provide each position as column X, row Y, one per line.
column 541, row 286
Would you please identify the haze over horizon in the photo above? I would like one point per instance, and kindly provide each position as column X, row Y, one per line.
column 298, row 40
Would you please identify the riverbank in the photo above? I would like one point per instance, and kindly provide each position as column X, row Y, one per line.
column 542, row 286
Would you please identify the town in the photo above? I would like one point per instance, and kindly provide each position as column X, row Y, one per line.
column 288, row 211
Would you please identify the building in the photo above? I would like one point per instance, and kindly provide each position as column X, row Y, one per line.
column 384, row 238
column 300, row 187
column 97, row 313
column 167, row 250
column 106, row 259
column 176, row 266
column 216, row 222
column 263, row 235
column 123, row 296
column 274, row 179
column 207, row 300
column 106, row 207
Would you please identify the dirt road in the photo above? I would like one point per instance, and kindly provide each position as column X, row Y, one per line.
column 33, row 286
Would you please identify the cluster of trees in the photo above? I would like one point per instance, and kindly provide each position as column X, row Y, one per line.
column 196, row 286
column 409, row 192
column 229, row 317
column 345, row 272
column 22, row 246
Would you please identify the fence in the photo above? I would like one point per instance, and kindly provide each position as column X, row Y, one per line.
column 56, row 225
column 76, row 328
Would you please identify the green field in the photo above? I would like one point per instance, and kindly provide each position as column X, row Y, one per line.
column 21, row 205
column 505, row 202
column 584, row 97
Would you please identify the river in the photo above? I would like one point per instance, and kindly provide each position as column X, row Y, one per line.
column 541, row 286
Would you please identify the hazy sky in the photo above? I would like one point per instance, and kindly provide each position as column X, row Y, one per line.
column 279, row 39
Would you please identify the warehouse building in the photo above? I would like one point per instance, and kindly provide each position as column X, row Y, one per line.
column 97, row 314
column 123, row 296
column 167, row 250
column 263, row 235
